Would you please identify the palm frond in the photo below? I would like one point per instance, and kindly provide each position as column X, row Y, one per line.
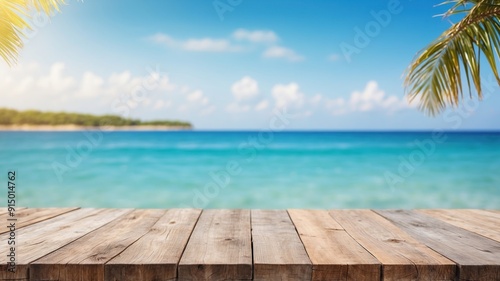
column 435, row 76
column 14, row 19
column 47, row 6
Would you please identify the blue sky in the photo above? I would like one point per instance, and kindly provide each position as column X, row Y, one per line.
column 232, row 64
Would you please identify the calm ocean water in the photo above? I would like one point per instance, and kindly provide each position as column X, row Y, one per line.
column 253, row 170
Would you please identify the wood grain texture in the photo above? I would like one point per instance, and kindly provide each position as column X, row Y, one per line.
column 220, row 247
column 84, row 259
column 402, row 257
column 334, row 254
column 477, row 256
column 25, row 217
column 278, row 252
column 181, row 244
column 155, row 255
column 4, row 212
column 37, row 240
column 481, row 222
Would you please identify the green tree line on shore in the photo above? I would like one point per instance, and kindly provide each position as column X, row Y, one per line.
column 35, row 117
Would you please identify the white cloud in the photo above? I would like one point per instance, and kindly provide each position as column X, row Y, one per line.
column 236, row 107
column 52, row 88
column 209, row 45
column 197, row 97
column 120, row 78
column 196, row 101
column 165, row 39
column 195, row 44
column 91, row 85
column 282, row 52
column 307, row 113
column 208, row 110
column 336, row 106
column 245, row 88
column 160, row 104
column 147, row 102
column 231, row 44
column 56, row 81
column 261, row 105
column 243, row 91
column 334, row 57
column 315, row 100
column 165, row 85
column 287, row 95
column 256, row 36
column 370, row 99
column 28, row 86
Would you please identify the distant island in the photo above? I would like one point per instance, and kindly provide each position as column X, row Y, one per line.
column 11, row 119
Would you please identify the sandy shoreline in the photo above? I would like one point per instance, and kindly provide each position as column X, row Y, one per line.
column 89, row 128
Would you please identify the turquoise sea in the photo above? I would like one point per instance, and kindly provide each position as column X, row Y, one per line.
column 253, row 169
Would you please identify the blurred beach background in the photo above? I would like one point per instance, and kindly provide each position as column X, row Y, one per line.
column 255, row 169
column 294, row 104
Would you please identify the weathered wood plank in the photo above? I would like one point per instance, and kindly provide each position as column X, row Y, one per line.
column 481, row 222
column 4, row 212
column 334, row 254
column 37, row 240
column 402, row 257
column 489, row 213
column 84, row 259
column 278, row 252
column 477, row 256
column 25, row 217
column 220, row 247
column 128, row 245
column 155, row 255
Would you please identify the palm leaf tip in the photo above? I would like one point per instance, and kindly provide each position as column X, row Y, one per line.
column 435, row 75
column 14, row 19
column 47, row 6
